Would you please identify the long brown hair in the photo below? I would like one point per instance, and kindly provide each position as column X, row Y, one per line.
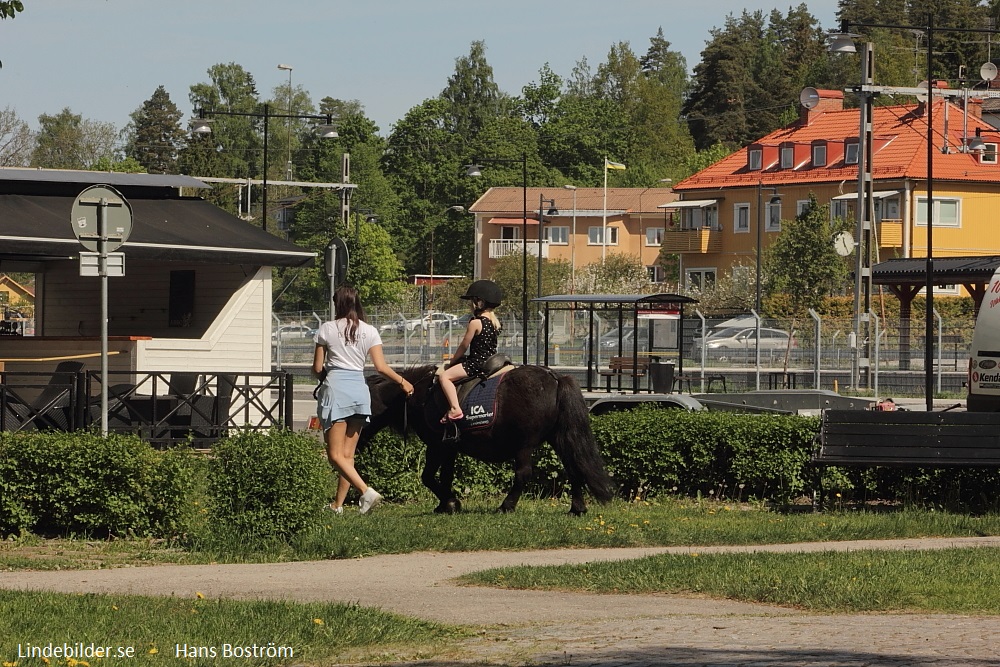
column 348, row 307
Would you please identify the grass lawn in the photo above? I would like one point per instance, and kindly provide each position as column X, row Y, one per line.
column 537, row 524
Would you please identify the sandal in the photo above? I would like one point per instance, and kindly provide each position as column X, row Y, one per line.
column 449, row 418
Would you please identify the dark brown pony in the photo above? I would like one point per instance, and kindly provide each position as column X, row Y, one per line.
column 534, row 405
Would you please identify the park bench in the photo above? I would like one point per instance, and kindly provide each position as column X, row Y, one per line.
column 619, row 367
column 908, row 439
column 682, row 378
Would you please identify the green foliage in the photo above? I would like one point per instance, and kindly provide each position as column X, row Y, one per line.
column 619, row 273
column 651, row 452
column 266, row 484
column 68, row 141
column 802, row 262
column 82, row 482
column 10, row 8
column 155, row 134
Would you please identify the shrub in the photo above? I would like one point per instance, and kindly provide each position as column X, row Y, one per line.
column 267, row 484
column 651, row 451
column 83, row 482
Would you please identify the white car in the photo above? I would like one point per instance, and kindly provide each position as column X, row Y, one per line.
column 293, row 332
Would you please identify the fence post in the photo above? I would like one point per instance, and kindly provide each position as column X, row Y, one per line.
column 818, row 356
column 289, row 397
column 704, row 347
column 875, row 323
column 940, row 361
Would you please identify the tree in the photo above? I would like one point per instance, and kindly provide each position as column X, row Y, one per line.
column 234, row 148
column 10, row 8
column 16, row 140
column 155, row 134
column 68, row 141
column 619, row 273
column 801, row 263
column 472, row 97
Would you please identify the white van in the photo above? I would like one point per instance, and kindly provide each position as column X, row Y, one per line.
column 984, row 357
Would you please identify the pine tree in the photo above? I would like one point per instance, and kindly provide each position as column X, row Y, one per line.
column 156, row 134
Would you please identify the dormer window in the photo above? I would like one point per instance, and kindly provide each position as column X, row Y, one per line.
column 787, row 157
column 851, row 153
column 755, row 158
column 819, row 155
column 989, row 154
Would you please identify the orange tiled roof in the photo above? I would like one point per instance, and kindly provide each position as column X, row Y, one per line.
column 511, row 199
column 899, row 137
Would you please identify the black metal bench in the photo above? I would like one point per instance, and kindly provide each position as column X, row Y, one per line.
column 909, row 439
column 688, row 378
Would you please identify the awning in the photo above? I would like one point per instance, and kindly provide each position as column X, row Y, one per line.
column 691, row 203
column 184, row 229
column 880, row 194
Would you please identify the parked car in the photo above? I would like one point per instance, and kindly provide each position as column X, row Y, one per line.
column 293, row 331
column 399, row 325
column 737, row 338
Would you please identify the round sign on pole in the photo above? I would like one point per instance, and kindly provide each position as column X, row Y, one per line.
column 85, row 217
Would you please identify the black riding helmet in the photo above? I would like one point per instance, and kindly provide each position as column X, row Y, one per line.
column 485, row 290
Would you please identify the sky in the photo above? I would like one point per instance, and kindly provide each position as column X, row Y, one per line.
column 104, row 58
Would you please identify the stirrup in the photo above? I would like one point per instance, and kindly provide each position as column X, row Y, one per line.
column 451, row 433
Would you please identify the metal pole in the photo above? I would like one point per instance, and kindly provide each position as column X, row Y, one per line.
column 541, row 223
column 760, row 232
column 817, row 364
column 862, row 232
column 102, row 246
column 524, row 261
column 263, row 184
column 929, row 319
column 756, row 319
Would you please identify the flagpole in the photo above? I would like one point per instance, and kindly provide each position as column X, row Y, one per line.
column 604, row 223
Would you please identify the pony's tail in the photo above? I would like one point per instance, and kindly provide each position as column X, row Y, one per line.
column 575, row 444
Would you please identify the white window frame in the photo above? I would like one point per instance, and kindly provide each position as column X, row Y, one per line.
column 510, row 233
column 557, row 235
column 841, row 208
column 741, row 218
column 851, row 152
column 819, row 155
column 703, row 273
column 988, row 155
column 801, row 206
column 710, row 218
column 787, row 157
column 755, row 159
column 654, row 236
column 656, row 273
column 773, row 217
column 594, row 235
column 940, row 203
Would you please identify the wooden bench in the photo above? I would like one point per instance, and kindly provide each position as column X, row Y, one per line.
column 908, row 439
column 680, row 379
column 625, row 366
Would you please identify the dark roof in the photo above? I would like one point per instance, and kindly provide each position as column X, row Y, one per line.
column 947, row 270
column 634, row 299
column 179, row 229
column 82, row 177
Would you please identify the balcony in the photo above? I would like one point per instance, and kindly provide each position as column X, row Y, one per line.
column 503, row 247
column 692, row 240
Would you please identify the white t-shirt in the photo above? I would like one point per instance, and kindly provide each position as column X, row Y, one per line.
column 340, row 353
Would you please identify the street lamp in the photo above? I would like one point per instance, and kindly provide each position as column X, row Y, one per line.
column 288, row 167
column 775, row 199
column 542, row 203
column 475, row 170
column 572, row 246
column 844, row 43
column 202, row 125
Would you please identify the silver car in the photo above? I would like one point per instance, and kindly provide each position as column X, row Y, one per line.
column 737, row 338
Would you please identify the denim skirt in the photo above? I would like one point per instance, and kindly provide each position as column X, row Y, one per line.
column 343, row 395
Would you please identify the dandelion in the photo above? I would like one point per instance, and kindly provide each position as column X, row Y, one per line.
column 10, row 664
column 694, row 555
column 646, row 521
column 838, row 495
column 318, row 621
column 199, row 595
column 114, row 607
column 153, row 651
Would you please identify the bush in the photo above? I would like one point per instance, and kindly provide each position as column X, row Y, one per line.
column 651, row 451
column 267, row 484
column 82, row 482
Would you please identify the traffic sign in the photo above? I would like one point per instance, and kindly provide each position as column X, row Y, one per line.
column 86, row 217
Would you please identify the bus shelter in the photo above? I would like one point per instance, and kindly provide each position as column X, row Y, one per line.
column 602, row 326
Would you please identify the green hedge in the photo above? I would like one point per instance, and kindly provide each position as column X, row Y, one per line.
column 84, row 483
column 267, row 484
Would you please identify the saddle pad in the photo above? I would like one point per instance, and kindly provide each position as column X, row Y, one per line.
column 480, row 406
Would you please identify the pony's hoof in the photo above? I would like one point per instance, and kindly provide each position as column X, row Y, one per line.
column 505, row 510
column 577, row 512
column 452, row 506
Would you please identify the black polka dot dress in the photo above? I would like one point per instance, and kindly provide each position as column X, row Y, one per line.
column 482, row 347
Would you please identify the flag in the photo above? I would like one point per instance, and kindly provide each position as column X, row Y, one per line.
column 608, row 164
